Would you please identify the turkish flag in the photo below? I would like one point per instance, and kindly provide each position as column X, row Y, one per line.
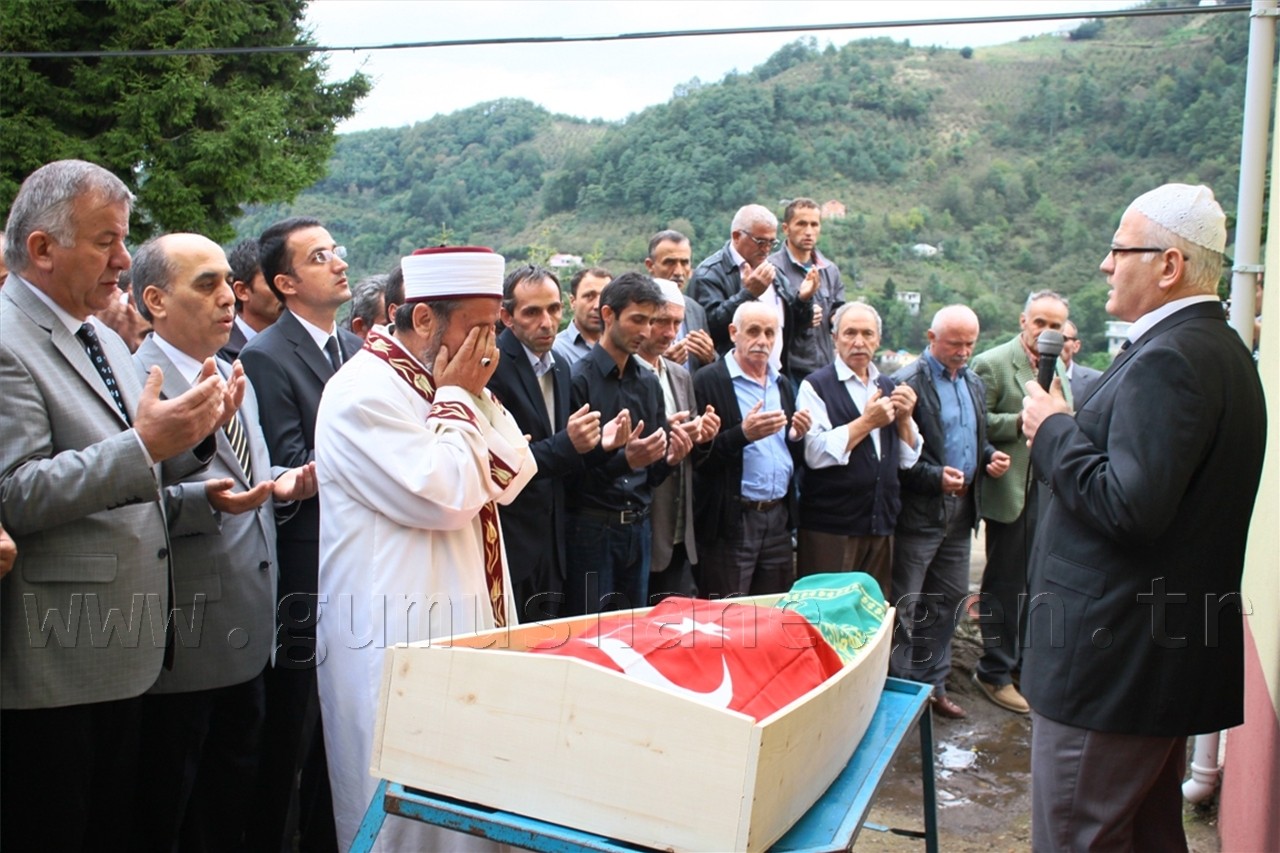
column 721, row 653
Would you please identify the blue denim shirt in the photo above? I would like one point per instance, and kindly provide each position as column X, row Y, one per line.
column 766, row 464
column 959, row 424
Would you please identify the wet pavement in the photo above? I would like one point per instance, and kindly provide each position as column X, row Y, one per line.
column 983, row 772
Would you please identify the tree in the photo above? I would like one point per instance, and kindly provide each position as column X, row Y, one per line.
column 195, row 137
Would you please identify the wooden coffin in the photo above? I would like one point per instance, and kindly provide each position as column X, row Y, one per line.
column 564, row 741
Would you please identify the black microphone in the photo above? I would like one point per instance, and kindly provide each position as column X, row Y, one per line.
column 1049, row 344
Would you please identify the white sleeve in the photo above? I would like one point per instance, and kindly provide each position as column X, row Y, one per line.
column 824, row 445
column 432, row 476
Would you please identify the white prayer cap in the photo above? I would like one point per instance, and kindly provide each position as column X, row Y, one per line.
column 670, row 291
column 1190, row 212
column 452, row 272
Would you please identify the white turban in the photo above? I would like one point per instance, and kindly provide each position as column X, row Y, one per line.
column 452, row 272
column 1190, row 212
column 670, row 291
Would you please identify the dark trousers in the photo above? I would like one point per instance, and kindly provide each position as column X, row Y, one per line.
column 198, row 766
column 753, row 559
column 819, row 553
column 1105, row 792
column 930, row 580
column 69, row 776
column 676, row 578
column 540, row 595
column 292, row 795
column 607, row 564
column 1004, row 582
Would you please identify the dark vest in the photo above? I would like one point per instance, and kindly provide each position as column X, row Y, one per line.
column 860, row 498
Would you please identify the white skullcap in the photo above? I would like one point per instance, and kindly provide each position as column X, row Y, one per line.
column 670, row 291
column 1190, row 212
column 452, row 272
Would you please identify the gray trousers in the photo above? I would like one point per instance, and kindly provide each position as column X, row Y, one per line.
column 755, row 559
column 930, row 580
column 1105, row 792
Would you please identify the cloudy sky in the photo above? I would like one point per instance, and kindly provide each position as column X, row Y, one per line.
column 610, row 80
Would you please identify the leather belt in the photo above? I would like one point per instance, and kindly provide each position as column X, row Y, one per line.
column 625, row 516
column 759, row 506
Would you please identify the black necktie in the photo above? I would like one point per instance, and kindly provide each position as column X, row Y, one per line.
column 335, row 354
column 239, row 445
column 89, row 338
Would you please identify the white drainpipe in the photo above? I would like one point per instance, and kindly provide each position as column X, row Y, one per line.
column 1205, row 770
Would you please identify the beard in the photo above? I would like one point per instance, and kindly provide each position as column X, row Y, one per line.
column 428, row 355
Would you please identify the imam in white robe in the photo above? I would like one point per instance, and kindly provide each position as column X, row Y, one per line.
column 402, row 484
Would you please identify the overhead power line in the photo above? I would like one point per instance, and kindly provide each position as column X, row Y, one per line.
column 664, row 34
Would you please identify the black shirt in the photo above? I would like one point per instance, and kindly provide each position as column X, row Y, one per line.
column 608, row 483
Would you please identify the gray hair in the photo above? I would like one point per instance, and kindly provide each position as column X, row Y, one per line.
column 866, row 306
column 364, row 300
column 152, row 266
column 1204, row 266
column 1037, row 295
column 442, row 309
column 46, row 200
column 751, row 215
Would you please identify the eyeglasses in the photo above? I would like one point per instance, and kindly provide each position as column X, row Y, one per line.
column 1123, row 250
column 762, row 242
column 327, row 256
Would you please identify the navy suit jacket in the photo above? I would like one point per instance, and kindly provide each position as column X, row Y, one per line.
column 1134, row 621
column 529, row 539
column 288, row 372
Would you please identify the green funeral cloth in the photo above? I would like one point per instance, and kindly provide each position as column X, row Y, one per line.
column 846, row 607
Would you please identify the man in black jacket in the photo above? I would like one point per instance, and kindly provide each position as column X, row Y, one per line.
column 289, row 364
column 1134, row 635
column 745, row 500
column 940, row 498
column 533, row 384
column 740, row 272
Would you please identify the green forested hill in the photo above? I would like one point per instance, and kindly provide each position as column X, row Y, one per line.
column 1016, row 161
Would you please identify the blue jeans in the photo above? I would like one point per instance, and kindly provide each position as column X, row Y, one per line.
column 607, row 564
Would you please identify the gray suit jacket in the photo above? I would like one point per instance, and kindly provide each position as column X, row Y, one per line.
column 82, row 614
column 663, row 512
column 1082, row 379
column 225, row 637
column 695, row 318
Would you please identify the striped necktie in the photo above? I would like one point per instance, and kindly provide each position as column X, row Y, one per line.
column 239, row 445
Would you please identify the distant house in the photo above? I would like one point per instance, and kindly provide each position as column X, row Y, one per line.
column 924, row 250
column 560, row 260
column 833, row 210
column 1117, row 334
column 912, row 300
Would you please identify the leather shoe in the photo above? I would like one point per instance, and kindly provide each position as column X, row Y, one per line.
column 944, row 707
column 1006, row 697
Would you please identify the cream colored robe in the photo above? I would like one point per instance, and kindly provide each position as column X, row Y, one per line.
column 402, row 483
